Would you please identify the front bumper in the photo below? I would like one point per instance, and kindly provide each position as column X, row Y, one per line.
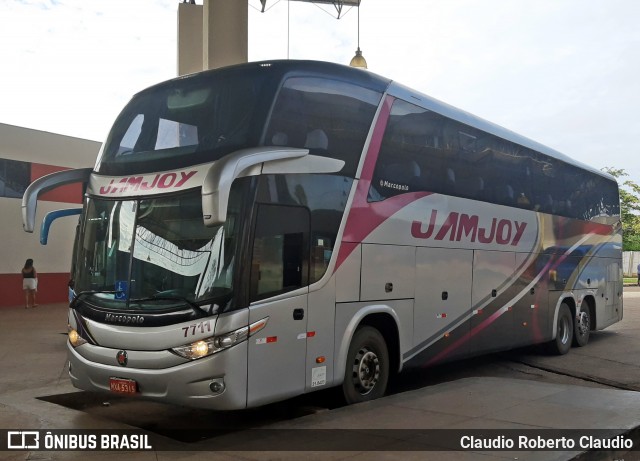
column 183, row 384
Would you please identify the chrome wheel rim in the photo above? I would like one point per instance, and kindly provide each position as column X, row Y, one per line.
column 366, row 370
column 583, row 323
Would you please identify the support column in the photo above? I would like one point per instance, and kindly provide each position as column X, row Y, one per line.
column 190, row 39
column 225, row 33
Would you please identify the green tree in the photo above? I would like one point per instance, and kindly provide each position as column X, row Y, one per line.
column 629, row 209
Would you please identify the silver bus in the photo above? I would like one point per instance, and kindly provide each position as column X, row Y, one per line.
column 260, row 231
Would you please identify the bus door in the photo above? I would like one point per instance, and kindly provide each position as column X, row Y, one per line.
column 278, row 287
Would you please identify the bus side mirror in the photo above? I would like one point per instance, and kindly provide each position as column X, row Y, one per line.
column 217, row 184
column 252, row 162
column 52, row 216
column 43, row 184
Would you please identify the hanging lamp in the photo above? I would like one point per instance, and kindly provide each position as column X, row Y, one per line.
column 358, row 60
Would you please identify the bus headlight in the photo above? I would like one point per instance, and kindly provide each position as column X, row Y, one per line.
column 75, row 339
column 210, row 346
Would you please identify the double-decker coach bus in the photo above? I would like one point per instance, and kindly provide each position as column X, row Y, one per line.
column 260, row 231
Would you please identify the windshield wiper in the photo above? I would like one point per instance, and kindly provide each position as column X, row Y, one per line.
column 195, row 307
column 82, row 294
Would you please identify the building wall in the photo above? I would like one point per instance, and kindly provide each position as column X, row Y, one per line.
column 39, row 153
column 630, row 261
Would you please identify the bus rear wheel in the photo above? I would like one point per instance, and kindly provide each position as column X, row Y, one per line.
column 367, row 369
column 564, row 332
column 582, row 326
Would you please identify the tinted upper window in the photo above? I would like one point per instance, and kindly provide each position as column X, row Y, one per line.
column 187, row 121
column 329, row 117
column 203, row 117
column 425, row 151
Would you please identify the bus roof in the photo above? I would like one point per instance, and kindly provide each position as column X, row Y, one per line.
column 286, row 68
column 281, row 69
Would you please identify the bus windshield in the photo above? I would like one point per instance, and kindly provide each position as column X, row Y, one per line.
column 155, row 253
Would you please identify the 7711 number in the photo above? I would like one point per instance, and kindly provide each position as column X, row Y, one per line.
column 202, row 327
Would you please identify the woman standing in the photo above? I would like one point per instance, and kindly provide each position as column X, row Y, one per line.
column 29, row 283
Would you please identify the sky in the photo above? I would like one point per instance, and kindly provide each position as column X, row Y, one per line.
column 565, row 73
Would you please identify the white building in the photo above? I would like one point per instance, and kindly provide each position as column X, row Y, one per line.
column 26, row 155
column 209, row 36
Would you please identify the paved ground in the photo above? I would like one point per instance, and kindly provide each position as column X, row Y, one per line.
column 612, row 356
column 35, row 394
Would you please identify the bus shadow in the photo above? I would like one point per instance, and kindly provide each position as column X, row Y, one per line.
column 189, row 425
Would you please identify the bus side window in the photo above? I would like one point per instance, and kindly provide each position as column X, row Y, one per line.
column 317, row 139
column 280, row 139
column 505, row 195
column 280, row 261
column 450, row 181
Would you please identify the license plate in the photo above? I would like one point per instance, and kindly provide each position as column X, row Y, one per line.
column 123, row 386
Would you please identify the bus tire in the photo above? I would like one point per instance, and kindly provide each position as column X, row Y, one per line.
column 367, row 369
column 582, row 326
column 564, row 332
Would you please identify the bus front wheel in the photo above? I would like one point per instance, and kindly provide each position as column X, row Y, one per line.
column 367, row 369
column 564, row 332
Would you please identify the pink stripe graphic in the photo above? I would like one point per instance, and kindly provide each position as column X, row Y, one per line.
column 492, row 318
column 365, row 217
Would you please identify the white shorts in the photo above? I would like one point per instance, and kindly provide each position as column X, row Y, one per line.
column 30, row 284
